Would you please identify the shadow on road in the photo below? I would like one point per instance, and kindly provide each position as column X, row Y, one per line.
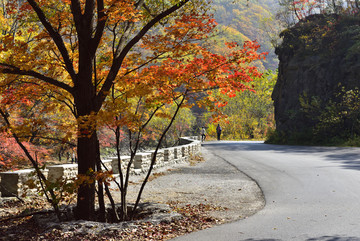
column 323, row 238
column 347, row 157
column 334, row 238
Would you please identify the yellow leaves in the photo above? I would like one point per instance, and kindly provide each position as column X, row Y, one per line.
column 163, row 115
column 87, row 125
column 84, row 180
column 68, row 137
column 91, row 176
column 26, row 128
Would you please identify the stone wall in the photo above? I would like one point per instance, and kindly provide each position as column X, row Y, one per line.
column 167, row 156
column 14, row 183
column 62, row 172
column 18, row 183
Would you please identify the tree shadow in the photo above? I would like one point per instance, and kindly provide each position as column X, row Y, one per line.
column 334, row 238
column 347, row 157
column 347, row 160
column 323, row 238
column 266, row 239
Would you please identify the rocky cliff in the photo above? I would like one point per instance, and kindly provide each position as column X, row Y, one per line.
column 319, row 58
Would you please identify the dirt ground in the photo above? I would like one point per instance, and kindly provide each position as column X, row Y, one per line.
column 214, row 182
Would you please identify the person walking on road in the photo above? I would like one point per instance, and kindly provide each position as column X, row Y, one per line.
column 73, row 157
column 203, row 134
column 218, row 131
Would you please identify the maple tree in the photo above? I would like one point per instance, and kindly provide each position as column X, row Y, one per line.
column 163, row 89
column 118, row 63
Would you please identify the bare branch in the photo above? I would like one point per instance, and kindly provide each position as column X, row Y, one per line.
column 153, row 159
column 9, row 69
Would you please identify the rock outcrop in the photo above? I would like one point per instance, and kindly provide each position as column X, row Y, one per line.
column 319, row 56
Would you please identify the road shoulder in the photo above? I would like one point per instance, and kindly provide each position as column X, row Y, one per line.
column 230, row 193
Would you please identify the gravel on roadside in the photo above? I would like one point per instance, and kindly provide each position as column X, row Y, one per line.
column 212, row 182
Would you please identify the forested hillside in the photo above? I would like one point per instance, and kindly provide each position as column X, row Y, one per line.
column 248, row 20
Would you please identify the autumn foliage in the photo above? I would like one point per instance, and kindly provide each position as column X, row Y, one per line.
column 69, row 68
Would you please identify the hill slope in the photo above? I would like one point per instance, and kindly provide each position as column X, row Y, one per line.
column 243, row 20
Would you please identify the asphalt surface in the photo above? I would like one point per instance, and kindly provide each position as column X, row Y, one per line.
column 311, row 193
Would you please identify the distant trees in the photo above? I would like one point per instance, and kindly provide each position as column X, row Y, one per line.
column 250, row 114
column 247, row 20
column 295, row 10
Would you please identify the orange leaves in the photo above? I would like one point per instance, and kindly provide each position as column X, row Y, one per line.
column 185, row 73
column 163, row 115
column 194, row 25
column 253, row 45
column 221, row 104
column 231, row 45
column 121, row 11
column 92, row 176
column 179, row 36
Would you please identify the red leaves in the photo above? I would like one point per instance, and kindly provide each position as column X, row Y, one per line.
column 207, row 70
column 231, row 45
column 11, row 155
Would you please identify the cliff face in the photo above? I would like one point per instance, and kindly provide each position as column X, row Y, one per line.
column 318, row 57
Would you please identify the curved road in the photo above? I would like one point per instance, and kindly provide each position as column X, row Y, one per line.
column 312, row 193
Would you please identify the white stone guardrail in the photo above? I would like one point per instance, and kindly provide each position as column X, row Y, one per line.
column 13, row 183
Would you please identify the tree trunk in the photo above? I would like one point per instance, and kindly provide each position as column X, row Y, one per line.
column 84, row 98
column 87, row 150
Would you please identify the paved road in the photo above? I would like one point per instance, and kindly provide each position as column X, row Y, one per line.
column 312, row 193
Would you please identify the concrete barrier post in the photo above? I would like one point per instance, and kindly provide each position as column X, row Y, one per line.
column 159, row 158
column 124, row 163
column 177, row 154
column 108, row 165
column 13, row 183
column 169, row 155
column 62, row 172
column 142, row 161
